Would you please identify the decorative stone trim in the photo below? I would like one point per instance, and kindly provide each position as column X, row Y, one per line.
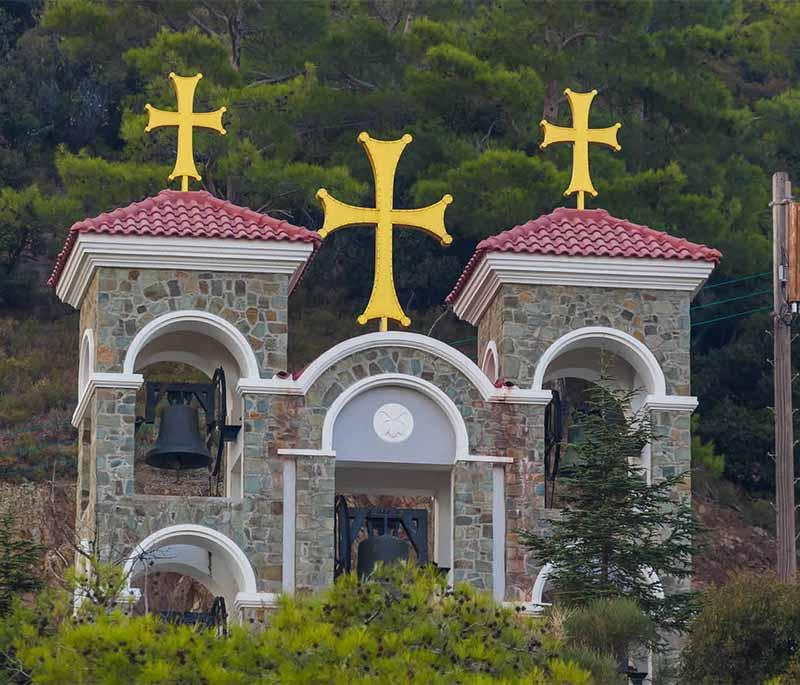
column 92, row 251
column 499, row 268
column 629, row 348
column 415, row 341
column 124, row 381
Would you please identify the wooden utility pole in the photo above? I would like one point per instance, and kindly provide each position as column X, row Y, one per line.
column 782, row 341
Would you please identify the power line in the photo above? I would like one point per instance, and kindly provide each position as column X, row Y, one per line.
column 732, row 316
column 732, row 299
column 749, row 277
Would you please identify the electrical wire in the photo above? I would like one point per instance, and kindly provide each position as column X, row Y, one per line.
column 749, row 277
column 732, row 316
column 731, row 299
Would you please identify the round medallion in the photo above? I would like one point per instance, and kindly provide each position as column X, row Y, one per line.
column 393, row 422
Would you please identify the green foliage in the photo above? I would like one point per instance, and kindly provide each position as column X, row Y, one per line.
column 610, row 626
column 402, row 625
column 746, row 632
column 625, row 528
column 704, row 454
column 19, row 563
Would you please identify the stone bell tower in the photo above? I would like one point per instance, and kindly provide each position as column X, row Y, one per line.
column 182, row 277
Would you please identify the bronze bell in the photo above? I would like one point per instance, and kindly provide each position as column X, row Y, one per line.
column 385, row 548
column 180, row 445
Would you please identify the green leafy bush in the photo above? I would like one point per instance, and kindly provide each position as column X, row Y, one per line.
column 401, row 626
column 746, row 633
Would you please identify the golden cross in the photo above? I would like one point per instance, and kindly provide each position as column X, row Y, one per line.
column 384, row 156
column 580, row 135
column 185, row 119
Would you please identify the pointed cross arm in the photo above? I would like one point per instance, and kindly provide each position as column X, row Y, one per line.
column 340, row 215
column 429, row 219
column 555, row 134
column 606, row 136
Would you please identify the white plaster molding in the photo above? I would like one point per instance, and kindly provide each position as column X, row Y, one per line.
column 196, row 321
column 199, row 536
column 486, row 459
column 289, row 524
column 490, row 355
column 404, row 381
column 255, row 600
column 686, row 403
column 544, row 574
column 300, row 452
column 499, row 268
column 635, row 352
column 123, row 381
column 414, row 341
column 498, row 532
column 92, row 251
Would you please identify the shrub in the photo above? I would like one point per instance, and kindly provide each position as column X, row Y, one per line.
column 401, row 626
column 746, row 633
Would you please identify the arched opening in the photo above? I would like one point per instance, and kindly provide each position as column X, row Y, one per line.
column 181, row 570
column 396, row 439
column 571, row 368
column 179, row 355
column 85, row 362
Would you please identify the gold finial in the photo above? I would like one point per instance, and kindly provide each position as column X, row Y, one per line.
column 185, row 119
column 384, row 156
column 580, row 135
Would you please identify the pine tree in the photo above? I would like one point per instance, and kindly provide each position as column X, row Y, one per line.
column 19, row 562
column 616, row 529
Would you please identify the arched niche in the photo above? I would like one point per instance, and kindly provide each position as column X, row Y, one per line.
column 395, row 419
column 201, row 553
column 491, row 363
column 86, row 361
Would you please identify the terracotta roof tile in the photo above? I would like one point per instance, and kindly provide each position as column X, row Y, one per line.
column 193, row 214
column 585, row 233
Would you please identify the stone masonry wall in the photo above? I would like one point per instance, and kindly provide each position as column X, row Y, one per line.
column 533, row 317
column 472, row 523
column 314, row 531
column 257, row 304
column 494, row 429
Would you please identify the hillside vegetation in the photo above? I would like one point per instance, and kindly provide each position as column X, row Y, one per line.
column 708, row 94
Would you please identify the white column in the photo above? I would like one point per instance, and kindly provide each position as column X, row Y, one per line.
column 498, row 532
column 289, row 522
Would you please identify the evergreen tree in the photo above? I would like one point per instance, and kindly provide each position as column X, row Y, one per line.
column 617, row 529
column 19, row 563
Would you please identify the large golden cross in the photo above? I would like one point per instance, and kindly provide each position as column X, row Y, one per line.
column 580, row 135
column 185, row 119
column 384, row 156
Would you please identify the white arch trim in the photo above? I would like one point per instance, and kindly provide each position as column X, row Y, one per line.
column 404, row 381
column 414, row 341
column 544, row 575
column 490, row 356
column 205, row 538
column 626, row 346
column 195, row 320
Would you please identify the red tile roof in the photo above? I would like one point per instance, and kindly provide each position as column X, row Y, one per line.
column 193, row 214
column 585, row 233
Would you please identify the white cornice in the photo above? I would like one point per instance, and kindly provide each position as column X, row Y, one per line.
column 499, row 268
column 415, row 341
column 125, row 381
column 670, row 403
column 92, row 251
